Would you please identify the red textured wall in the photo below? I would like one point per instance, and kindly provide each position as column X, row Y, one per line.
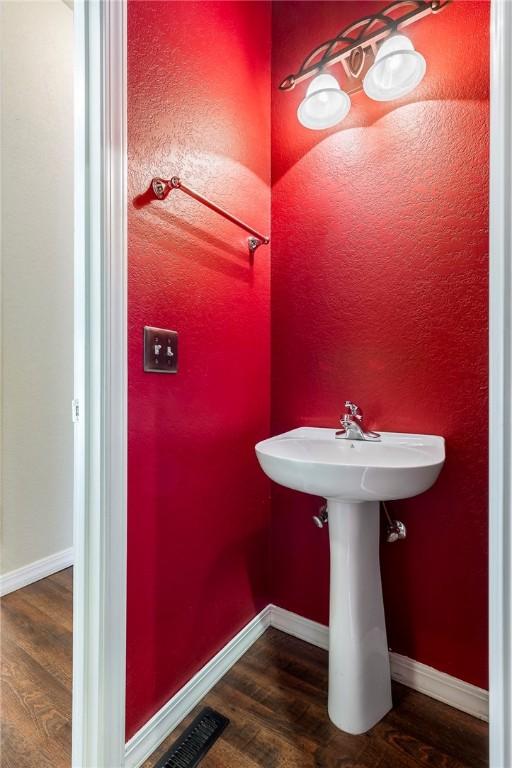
column 199, row 506
column 379, row 294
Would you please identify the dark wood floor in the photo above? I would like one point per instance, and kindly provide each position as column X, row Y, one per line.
column 36, row 646
column 275, row 697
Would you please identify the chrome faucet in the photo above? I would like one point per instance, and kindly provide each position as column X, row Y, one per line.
column 352, row 429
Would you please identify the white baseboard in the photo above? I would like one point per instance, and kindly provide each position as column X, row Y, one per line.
column 438, row 685
column 427, row 680
column 304, row 629
column 151, row 735
column 40, row 569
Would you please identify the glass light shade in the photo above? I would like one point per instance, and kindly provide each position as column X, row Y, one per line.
column 397, row 70
column 324, row 105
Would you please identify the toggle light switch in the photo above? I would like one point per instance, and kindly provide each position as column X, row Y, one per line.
column 160, row 350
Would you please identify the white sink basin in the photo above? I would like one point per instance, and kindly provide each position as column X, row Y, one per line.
column 314, row 461
column 354, row 476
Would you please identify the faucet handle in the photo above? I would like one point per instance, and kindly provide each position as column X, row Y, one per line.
column 353, row 410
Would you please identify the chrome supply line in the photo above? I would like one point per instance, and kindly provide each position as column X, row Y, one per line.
column 162, row 187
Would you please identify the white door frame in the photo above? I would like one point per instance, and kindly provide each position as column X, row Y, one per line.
column 99, row 625
column 101, row 386
column 500, row 374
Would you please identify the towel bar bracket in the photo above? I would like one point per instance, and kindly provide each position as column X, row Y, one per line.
column 254, row 243
column 160, row 188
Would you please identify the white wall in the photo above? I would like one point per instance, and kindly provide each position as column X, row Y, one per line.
column 37, row 279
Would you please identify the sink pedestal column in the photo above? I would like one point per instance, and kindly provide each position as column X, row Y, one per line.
column 359, row 676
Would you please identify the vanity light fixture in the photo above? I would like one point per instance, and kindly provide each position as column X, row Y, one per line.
column 375, row 57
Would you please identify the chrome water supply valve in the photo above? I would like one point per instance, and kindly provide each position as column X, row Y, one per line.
column 395, row 529
column 322, row 518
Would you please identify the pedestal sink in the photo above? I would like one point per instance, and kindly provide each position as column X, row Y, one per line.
column 354, row 476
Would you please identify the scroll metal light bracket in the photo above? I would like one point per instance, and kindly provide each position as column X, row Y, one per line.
column 162, row 187
column 355, row 47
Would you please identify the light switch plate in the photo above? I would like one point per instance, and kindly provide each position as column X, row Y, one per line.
column 160, row 350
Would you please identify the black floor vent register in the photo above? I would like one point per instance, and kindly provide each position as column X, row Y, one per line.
column 195, row 741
